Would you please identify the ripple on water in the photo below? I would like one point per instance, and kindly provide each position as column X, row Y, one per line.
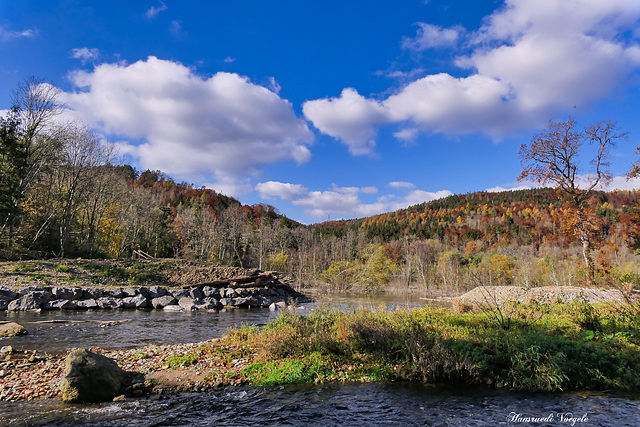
column 335, row 404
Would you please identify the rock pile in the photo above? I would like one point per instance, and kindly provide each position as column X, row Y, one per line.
column 256, row 289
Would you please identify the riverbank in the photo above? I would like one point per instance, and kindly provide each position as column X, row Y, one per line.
column 575, row 346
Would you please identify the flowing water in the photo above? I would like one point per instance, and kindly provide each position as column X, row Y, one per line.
column 326, row 405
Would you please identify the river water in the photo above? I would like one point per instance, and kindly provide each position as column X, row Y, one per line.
column 326, row 405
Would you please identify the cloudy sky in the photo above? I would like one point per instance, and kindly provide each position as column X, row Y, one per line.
column 332, row 109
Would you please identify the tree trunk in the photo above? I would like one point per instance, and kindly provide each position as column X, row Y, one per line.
column 586, row 254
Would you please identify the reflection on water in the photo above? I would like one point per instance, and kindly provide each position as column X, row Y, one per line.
column 396, row 404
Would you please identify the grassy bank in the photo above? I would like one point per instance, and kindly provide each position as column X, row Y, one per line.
column 545, row 348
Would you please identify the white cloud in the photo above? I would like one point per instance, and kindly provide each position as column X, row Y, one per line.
column 84, row 54
column 430, row 36
column 197, row 128
column 351, row 117
column 155, row 10
column 401, row 184
column 529, row 61
column 407, row 135
column 229, row 59
column 283, row 190
column 8, row 35
column 344, row 201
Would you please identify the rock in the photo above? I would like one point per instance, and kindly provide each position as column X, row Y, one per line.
column 3, row 305
column 175, row 308
column 7, row 294
column 263, row 301
column 280, row 305
column 7, row 349
column 108, row 302
column 178, row 293
column 213, row 301
column 196, row 293
column 121, row 398
column 88, row 294
column 210, row 291
column 230, row 293
column 163, row 301
column 233, row 302
column 252, row 302
column 90, row 377
column 129, row 292
column 66, row 293
column 156, row 292
column 31, row 301
column 138, row 301
column 188, row 304
column 113, row 293
column 12, row 329
column 87, row 303
column 60, row 304
column 143, row 290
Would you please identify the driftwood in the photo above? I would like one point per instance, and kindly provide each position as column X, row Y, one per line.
column 255, row 280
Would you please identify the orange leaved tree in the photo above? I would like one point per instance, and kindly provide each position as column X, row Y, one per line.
column 555, row 156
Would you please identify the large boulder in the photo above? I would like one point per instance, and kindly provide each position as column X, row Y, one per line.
column 60, row 304
column 12, row 329
column 7, row 294
column 90, row 377
column 66, row 293
column 86, row 304
column 31, row 301
column 163, row 301
column 138, row 301
column 107, row 302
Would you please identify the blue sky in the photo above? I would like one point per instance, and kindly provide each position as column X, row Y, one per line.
column 332, row 109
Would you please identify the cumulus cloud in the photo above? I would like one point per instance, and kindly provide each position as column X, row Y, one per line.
column 344, row 201
column 198, row 128
column 401, row 184
column 155, row 10
column 529, row 61
column 84, row 54
column 431, row 36
column 351, row 117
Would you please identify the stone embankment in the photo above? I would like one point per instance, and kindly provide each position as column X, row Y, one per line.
column 255, row 289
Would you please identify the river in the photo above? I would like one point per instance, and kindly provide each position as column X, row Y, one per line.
column 325, row 405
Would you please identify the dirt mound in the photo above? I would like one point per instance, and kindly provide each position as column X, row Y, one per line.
column 493, row 295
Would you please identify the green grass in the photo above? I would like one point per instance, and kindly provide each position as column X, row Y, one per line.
column 546, row 348
column 184, row 360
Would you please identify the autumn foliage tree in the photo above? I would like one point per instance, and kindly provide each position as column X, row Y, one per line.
column 555, row 157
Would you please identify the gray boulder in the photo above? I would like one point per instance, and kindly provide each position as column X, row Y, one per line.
column 138, row 301
column 178, row 293
column 210, row 291
column 173, row 307
column 233, row 302
column 163, row 301
column 189, row 304
column 113, row 293
column 31, row 301
column 108, row 302
column 7, row 294
column 129, row 292
column 60, row 304
column 156, row 292
column 91, row 293
column 281, row 305
column 66, row 293
column 196, row 293
column 86, row 303
column 90, row 377
column 213, row 301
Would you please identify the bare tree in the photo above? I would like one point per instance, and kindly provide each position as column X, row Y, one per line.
column 35, row 103
column 552, row 157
